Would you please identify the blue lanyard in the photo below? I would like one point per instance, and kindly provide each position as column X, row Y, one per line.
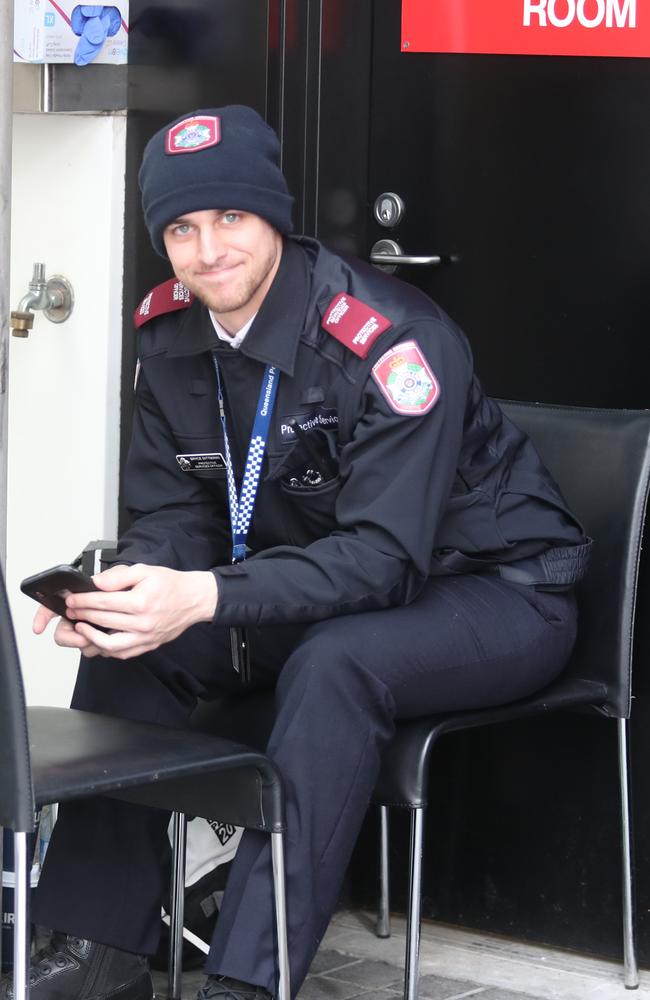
column 241, row 507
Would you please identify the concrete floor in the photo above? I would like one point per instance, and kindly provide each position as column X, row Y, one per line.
column 455, row 964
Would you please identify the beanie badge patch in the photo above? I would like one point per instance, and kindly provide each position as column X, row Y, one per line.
column 193, row 134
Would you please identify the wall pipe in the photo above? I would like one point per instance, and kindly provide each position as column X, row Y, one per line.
column 6, row 118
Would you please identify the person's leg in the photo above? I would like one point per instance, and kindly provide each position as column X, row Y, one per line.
column 465, row 643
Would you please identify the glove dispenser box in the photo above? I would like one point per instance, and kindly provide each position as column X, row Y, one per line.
column 62, row 31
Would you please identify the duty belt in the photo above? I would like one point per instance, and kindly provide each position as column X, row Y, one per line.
column 559, row 565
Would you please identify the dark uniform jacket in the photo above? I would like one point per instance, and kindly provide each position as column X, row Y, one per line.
column 404, row 468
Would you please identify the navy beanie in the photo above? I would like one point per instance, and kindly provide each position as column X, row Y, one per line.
column 216, row 158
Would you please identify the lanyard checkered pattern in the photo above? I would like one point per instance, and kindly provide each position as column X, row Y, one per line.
column 241, row 508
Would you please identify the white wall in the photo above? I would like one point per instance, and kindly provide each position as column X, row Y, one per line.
column 63, row 435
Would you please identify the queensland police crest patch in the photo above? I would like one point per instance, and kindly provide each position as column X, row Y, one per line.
column 406, row 380
column 193, row 134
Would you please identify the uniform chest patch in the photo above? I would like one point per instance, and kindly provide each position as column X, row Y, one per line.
column 354, row 323
column 192, row 134
column 406, row 380
column 320, row 417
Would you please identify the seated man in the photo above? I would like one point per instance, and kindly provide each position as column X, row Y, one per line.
column 316, row 473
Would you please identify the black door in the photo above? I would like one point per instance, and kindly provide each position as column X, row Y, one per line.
column 534, row 172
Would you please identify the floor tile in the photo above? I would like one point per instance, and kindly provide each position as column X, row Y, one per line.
column 456, row 964
column 493, row 962
column 439, row 988
column 369, row 974
column 325, row 988
column 498, row 994
column 375, row 994
column 327, row 961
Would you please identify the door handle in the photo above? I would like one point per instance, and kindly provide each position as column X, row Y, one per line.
column 388, row 255
column 390, row 252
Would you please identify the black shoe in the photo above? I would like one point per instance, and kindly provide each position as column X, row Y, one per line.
column 71, row 968
column 225, row 988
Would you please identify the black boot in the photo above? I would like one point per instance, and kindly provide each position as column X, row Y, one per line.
column 72, row 968
column 225, row 988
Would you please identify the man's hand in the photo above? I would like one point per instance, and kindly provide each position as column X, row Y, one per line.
column 143, row 606
column 65, row 634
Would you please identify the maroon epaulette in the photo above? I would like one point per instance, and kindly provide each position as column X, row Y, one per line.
column 354, row 323
column 166, row 297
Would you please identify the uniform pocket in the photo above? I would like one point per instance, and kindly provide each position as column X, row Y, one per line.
column 311, row 510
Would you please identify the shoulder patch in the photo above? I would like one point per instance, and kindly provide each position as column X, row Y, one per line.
column 164, row 298
column 354, row 323
column 406, row 380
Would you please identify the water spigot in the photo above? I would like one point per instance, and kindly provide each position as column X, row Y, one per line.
column 53, row 296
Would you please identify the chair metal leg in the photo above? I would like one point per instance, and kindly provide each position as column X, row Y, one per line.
column 277, row 852
column 412, row 965
column 382, row 927
column 21, row 918
column 177, row 906
column 631, row 971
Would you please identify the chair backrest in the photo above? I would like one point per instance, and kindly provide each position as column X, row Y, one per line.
column 601, row 462
column 16, row 792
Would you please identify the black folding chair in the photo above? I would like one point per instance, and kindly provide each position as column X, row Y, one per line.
column 52, row 755
column 601, row 460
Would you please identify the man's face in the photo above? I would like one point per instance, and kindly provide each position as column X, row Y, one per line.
column 227, row 258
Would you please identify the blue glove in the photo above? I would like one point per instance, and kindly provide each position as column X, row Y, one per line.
column 94, row 23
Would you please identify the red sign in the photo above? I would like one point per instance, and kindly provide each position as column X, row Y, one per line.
column 528, row 27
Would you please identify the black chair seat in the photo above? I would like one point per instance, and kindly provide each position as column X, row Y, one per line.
column 52, row 755
column 404, row 776
column 79, row 754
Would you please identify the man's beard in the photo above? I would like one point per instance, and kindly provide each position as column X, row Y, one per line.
column 230, row 299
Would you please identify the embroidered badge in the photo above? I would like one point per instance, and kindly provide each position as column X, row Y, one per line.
column 193, row 134
column 201, row 463
column 164, row 298
column 406, row 380
column 320, row 417
column 354, row 323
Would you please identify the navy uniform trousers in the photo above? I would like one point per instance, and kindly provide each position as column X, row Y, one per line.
column 465, row 642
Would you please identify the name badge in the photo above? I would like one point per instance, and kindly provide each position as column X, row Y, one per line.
column 201, row 463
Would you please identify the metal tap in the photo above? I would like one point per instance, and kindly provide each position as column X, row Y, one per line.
column 54, row 296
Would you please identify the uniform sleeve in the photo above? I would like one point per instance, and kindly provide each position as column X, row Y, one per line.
column 396, row 475
column 176, row 521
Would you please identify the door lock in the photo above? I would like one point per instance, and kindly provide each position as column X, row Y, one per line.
column 389, row 209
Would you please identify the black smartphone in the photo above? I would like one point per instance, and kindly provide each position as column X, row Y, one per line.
column 46, row 587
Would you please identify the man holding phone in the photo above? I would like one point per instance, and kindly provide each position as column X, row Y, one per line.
column 324, row 501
